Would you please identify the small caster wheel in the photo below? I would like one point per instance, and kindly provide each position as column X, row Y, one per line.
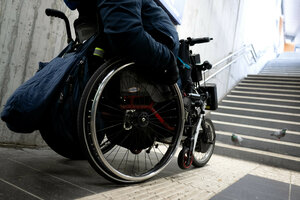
column 185, row 158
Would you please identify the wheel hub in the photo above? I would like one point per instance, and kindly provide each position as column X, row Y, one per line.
column 143, row 120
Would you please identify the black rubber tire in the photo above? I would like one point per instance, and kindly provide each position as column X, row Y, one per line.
column 182, row 159
column 200, row 162
column 95, row 129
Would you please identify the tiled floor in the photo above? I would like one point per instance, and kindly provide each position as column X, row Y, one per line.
column 42, row 174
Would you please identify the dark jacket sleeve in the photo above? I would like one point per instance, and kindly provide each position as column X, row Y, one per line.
column 124, row 28
column 72, row 4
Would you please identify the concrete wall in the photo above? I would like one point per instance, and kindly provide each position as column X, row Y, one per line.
column 28, row 36
column 232, row 24
column 297, row 42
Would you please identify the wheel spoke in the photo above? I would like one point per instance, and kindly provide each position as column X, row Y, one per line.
column 109, row 127
column 112, row 107
column 160, row 127
column 163, row 107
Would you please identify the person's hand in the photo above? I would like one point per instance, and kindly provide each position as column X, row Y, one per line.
column 170, row 72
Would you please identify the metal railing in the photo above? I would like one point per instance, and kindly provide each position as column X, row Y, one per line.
column 232, row 59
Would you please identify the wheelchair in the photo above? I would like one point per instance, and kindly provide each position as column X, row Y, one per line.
column 130, row 127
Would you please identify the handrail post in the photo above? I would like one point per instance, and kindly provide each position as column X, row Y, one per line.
column 254, row 55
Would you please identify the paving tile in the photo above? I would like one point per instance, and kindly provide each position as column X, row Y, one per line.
column 273, row 173
column 49, row 176
column 253, row 187
column 295, row 192
column 295, row 178
column 9, row 191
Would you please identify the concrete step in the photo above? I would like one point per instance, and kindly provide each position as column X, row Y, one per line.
column 280, row 67
column 255, row 121
column 276, row 114
column 258, row 106
column 282, row 83
column 289, row 87
column 255, row 131
column 264, row 144
column 262, row 100
column 273, row 78
column 262, row 157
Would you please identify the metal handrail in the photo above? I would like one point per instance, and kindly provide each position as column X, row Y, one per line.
column 241, row 52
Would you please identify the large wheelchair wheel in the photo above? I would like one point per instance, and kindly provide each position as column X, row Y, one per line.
column 129, row 126
column 205, row 144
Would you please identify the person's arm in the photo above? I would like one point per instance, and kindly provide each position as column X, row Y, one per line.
column 123, row 25
column 72, row 4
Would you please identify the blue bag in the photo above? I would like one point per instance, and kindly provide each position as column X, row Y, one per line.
column 59, row 128
column 25, row 110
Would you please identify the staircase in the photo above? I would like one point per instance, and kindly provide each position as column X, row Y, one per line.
column 258, row 106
